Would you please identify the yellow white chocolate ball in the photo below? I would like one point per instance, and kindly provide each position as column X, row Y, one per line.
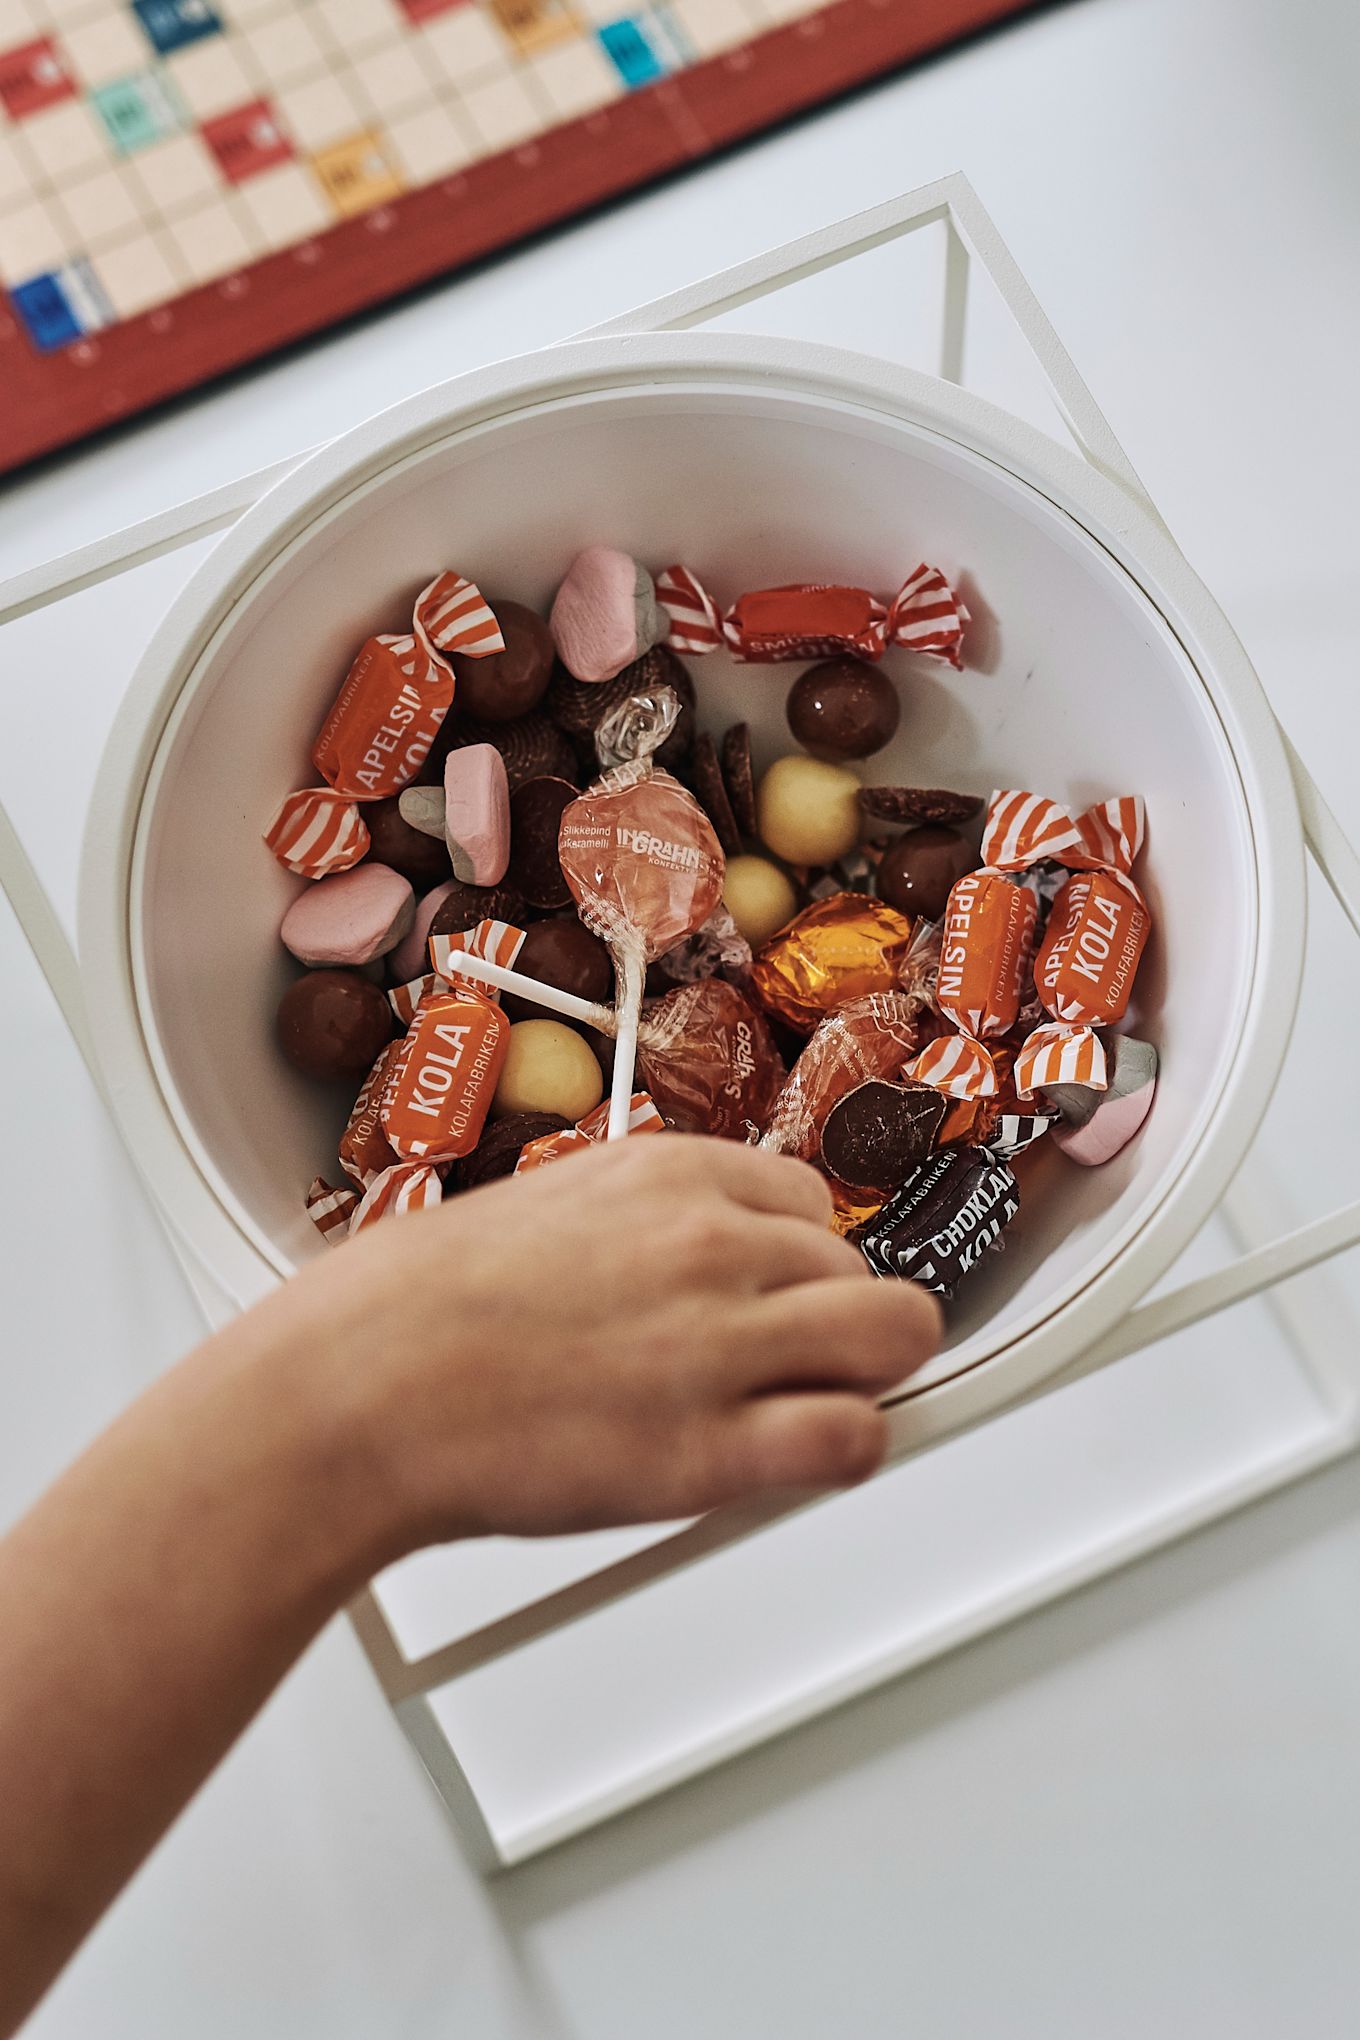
column 808, row 811
column 548, row 1068
column 759, row 897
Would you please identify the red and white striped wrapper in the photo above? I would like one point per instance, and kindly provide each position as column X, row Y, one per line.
column 696, row 625
column 956, row 1065
column 317, row 831
column 403, row 999
column 406, row 1186
column 455, row 617
column 927, row 617
column 331, row 1210
column 498, row 941
column 1024, row 829
column 1060, row 1055
column 643, row 1117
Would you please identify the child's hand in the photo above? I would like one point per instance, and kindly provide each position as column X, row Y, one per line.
column 643, row 1331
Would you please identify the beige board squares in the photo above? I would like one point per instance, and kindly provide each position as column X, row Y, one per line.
column 210, row 78
column 716, row 25
column 108, row 46
column 286, row 205
column 19, row 23
column 318, row 112
column 137, row 275
column 576, row 79
column 14, row 177
column 245, row 13
column 179, row 173
column 358, row 25
column 104, row 207
column 65, row 13
column 34, row 238
column 429, row 144
column 396, row 82
column 465, row 45
column 285, row 49
column 66, row 139
column 210, row 241
column 503, row 111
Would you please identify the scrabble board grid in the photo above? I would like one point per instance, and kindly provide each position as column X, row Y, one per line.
column 188, row 184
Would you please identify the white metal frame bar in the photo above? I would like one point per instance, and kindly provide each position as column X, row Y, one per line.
column 970, row 237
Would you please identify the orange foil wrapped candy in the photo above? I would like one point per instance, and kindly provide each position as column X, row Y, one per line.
column 985, row 951
column 1086, row 964
column 850, row 1209
column 837, row 949
column 443, row 1078
column 874, row 1036
column 707, row 1057
column 642, row 861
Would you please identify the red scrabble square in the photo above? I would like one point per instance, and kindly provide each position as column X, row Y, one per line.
column 247, row 140
column 33, row 76
column 425, row 10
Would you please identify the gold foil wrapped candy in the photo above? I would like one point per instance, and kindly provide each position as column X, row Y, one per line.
column 837, row 949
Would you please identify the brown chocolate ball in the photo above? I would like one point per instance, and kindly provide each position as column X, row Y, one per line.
column 562, row 953
column 332, row 1023
column 498, row 1150
column 843, row 708
column 508, row 683
column 535, row 870
column 466, row 905
column 916, row 874
column 421, row 858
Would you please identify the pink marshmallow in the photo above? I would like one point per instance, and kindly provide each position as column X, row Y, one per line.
column 605, row 614
column 409, row 959
column 1097, row 1124
column 477, row 813
column 349, row 918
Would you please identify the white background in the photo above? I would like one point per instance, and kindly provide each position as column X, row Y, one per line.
column 1141, row 1810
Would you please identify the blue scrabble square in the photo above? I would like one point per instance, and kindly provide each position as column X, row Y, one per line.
column 635, row 60
column 173, row 24
column 43, row 306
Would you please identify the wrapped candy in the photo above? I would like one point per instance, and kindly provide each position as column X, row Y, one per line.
column 718, row 949
column 396, row 694
column 317, row 831
column 707, row 1057
column 643, row 1117
column 985, row 952
column 406, row 1186
column 851, row 1210
column 365, row 1150
column 872, row 1036
column 943, row 1219
column 443, row 1077
column 811, row 620
column 835, row 950
column 330, row 1210
column 1089, row 957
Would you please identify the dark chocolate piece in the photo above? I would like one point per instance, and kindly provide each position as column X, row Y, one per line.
column 739, row 778
column 579, row 706
column 536, row 810
column 499, row 1148
column 843, row 708
column 532, row 745
column 910, row 804
column 507, row 684
column 332, row 1023
column 421, row 858
column 943, row 1219
column 878, row 1133
column 466, row 905
column 561, row 952
column 712, row 794
column 916, row 872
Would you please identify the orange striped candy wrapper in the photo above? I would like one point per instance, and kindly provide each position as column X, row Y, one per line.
column 643, row 1117
column 406, row 1186
column 985, row 948
column 453, row 614
column 317, row 831
column 405, row 999
column 1060, row 1055
column 956, row 1065
column 1089, row 956
column 1024, row 829
column 815, row 620
column 498, row 941
column 331, row 1210
column 364, row 1148
column 693, row 615
column 443, row 1079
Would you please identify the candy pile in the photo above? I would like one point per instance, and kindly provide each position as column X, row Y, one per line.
column 532, row 878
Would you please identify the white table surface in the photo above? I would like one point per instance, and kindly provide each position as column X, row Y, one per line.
column 1138, row 1811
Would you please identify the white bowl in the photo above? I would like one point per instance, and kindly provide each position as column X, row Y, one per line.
column 1098, row 665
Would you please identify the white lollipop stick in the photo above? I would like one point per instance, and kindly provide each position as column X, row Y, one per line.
column 626, row 1015
column 601, row 1017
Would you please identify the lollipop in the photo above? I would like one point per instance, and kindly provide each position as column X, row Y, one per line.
column 645, row 870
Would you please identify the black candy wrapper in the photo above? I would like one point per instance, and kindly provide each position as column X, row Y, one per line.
column 943, row 1219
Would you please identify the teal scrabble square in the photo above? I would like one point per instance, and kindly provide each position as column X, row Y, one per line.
column 138, row 110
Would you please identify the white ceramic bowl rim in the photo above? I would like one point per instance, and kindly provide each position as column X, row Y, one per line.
column 184, row 1183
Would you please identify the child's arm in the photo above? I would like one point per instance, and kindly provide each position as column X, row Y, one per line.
column 640, row 1332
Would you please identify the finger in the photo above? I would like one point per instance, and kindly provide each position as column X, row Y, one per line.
column 800, row 1441
column 764, row 1253
column 841, row 1333
column 751, row 1176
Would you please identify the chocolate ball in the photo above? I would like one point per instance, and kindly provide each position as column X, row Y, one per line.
column 843, row 708
column 465, row 905
column 562, row 953
column 332, row 1023
column 916, row 873
column 423, row 859
column 508, row 683
column 498, row 1150
column 536, row 810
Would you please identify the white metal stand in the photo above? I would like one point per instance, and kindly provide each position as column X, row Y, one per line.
column 1326, row 1349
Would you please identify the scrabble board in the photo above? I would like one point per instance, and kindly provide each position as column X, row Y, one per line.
column 186, row 184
